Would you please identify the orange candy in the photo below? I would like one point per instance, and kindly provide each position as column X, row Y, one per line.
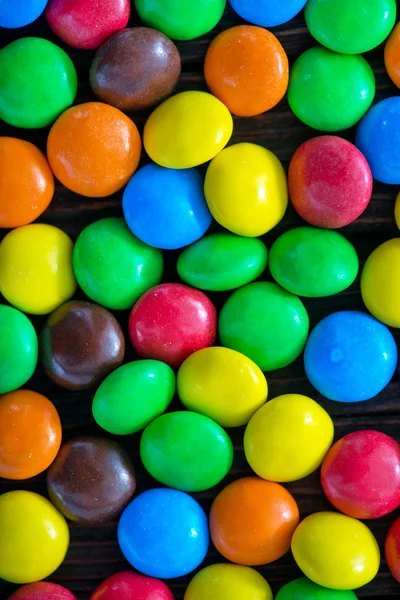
column 30, row 434
column 247, row 69
column 94, row 149
column 26, row 182
column 252, row 521
column 392, row 55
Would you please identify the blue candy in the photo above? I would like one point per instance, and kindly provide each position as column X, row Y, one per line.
column 164, row 533
column 166, row 208
column 350, row 356
column 267, row 13
column 378, row 138
column 18, row 13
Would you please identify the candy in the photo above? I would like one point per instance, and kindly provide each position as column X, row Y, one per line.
column 397, row 210
column 135, row 69
column 335, row 551
column 166, row 208
column 313, row 262
column 223, row 385
column 247, row 68
column 330, row 182
column 170, row 322
column 29, row 522
column 267, row 13
column 252, row 521
column 80, row 345
column 128, row 585
column 43, row 590
column 265, row 323
column 188, row 129
column 392, row 549
column 14, row 15
column 42, row 257
column 287, row 438
column 350, row 357
column 85, row 139
column 392, row 56
column 81, row 23
column 330, row 91
column 351, row 28
column 37, row 82
column 222, row 261
column 172, row 450
column 118, row 404
column 30, row 434
column 164, row 533
column 305, row 589
column 225, row 582
column 18, row 349
column 360, row 474
column 91, row 480
column 181, row 19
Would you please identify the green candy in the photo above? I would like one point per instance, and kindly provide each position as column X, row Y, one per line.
column 304, row 589
column 330, row 91
column 112, row 266
column 133, row 395
column 222, row 261
column 313, row 262
column 186, row 451
column 37, row 82
column 18, row 349
column 181, row 19
column 350, row 26
column 266, row 323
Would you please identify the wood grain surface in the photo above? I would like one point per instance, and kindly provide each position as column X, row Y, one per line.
column 94, row 553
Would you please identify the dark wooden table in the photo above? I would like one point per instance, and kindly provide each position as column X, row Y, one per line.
column 94, row 553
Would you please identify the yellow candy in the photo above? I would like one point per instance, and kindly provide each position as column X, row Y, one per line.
column 222, row 384
column 226, row 582
column 36, row 272
column 34, row 537
column 287, row 439
column 246, row 189
column 187, row 130
column 336, row 551
column 380, row 283
column 397, row 211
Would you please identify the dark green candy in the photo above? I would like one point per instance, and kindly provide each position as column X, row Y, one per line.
column 304, row 589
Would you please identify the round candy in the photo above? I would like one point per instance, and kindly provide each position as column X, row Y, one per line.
column 118, row 404
column 14, row 15
column 252, row 521
column 377, row 139
column 30, row 434
column 171, row 321
column 188, row 129
column 330, row 182
column 265, row 323
column 287, row 438
column 392, row 55
column 18, row 349
column 305, row 589
column 181, row 19
column 91, row 480
column 350, row 27
column 164, row 533
column 166, row 208
column 350, row 357
column 360, row 474
column 42, row 257
column 128, row 585
column 172, row 450
column 85, row 139
column 336, row 551
column 225, row 582
column 330, row 91
column 135, row 69
column 42, row 590
column 392, row 549
column 114, row 267
column 252, row 172
column 29, row 522
column 247, row 68
column 223, row 385
column 267, row 13
column 84, row 23
column 397, row 210
column 37, row 82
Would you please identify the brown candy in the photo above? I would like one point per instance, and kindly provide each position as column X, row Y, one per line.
column 135, row 69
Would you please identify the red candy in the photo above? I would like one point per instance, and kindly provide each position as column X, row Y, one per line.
column 392, row 549
column 361, row 475
column 87, row 23
column 171, row 321
column 42, row 591
column 330, row 182
column 132, row 586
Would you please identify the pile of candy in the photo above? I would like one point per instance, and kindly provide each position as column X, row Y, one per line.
column 94, row 149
